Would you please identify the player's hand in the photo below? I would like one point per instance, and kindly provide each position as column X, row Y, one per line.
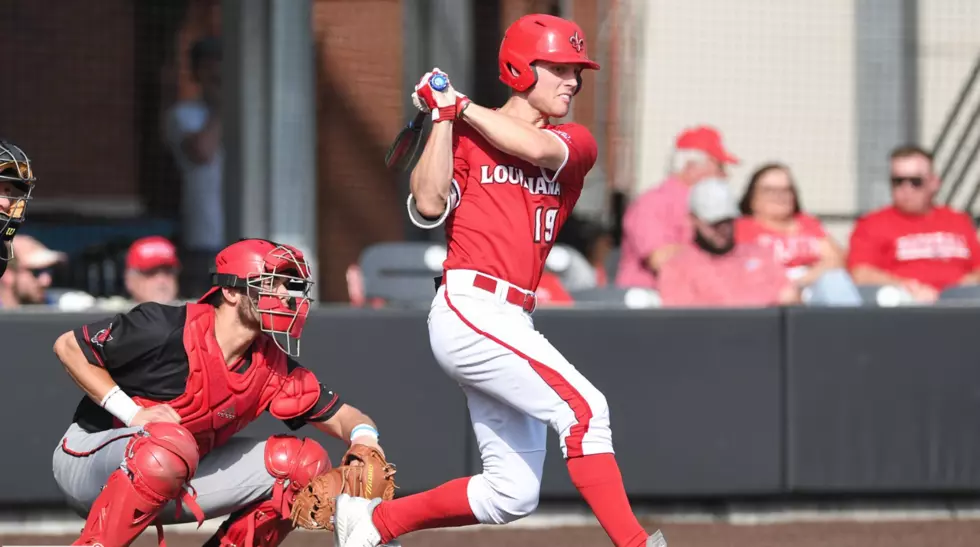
column 158, row 413
column 427, row 99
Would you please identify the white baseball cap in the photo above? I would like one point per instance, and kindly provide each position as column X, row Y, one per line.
column 712, row 201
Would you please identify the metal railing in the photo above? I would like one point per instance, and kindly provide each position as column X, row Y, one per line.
column 956, row 147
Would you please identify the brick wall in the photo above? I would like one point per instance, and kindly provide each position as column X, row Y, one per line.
column 68, row 94
column 359, row 44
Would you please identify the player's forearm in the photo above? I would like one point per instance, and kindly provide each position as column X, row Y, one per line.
column 95, row 381
column 433, row 174
column 342, row 424
column 516, row 137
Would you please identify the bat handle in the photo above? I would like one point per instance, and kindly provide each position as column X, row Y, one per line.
column 439, row 81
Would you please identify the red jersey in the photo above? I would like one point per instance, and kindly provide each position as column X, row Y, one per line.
column 937, row 248
column 800, row 247
column 505, row 212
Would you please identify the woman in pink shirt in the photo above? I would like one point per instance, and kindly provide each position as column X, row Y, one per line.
column 773, row 218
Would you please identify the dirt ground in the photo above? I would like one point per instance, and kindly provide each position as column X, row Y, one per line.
column 888, row 534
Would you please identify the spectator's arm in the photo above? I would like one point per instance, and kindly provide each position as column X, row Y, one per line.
column 869, row 275
column 865, row 261
column 201, row 146
column 645, row 223
column 660, row 256
column 774, row 275
column 789, row 295
column 973, row 277
column 864, row 274
column 199, row 140
column 831, row 258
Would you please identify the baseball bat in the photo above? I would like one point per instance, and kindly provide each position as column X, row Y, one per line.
column 403, row 149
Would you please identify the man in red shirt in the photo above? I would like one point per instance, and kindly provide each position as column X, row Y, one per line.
column 657, row 223
column 503, row 182
column 712, row 270
column 914, row 243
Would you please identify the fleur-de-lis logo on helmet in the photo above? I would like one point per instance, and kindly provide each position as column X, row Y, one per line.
column 577, row 42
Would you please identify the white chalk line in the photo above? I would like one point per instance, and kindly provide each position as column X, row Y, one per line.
column 38, row 524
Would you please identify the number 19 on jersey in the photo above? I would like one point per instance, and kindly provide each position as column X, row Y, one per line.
column 544, row 224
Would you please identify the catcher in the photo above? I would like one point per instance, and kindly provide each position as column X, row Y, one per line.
column 168, row 387
column 16, row 185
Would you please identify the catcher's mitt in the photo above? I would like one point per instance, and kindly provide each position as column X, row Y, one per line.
column 314, row 506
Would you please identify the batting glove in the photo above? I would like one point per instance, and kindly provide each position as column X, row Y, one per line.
column 422, row 97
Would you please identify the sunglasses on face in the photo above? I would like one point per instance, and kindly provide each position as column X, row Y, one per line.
column 38, row 272
column 916, row 182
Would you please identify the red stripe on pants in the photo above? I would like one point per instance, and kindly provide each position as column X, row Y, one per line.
column 565, row 390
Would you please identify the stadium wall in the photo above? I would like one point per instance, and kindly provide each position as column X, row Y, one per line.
column 709, row 404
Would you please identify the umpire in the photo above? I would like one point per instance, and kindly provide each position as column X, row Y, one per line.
column 16, row 186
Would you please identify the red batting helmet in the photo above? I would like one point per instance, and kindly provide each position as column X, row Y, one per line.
column 257, row 265
column 540, row 37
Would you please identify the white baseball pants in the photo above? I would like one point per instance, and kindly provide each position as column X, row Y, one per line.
column 516, row 385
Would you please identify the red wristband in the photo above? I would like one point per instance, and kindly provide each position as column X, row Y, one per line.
column 446, row 114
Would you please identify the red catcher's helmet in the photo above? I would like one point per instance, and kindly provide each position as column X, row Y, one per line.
column 540, row 37
column 257, row 266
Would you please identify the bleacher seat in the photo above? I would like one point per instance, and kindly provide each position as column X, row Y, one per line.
column 571, row 267
column 964, row 295
column 616, row 297
column 401, row 273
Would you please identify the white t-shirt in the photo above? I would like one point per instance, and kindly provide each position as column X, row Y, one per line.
column 202, row 202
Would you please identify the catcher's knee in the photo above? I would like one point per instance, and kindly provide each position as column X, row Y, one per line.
column 296, row 460
column 162, row 458
column 498, row 498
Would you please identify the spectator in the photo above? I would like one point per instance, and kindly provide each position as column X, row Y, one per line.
column 194, row 134
column 657, row 224
column 914, row 243
column 713, row 270
column 152, row 268
column 28, row 274
column 773, row 218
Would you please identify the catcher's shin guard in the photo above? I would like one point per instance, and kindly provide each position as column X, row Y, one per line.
column 159, row 462
column 267, row 523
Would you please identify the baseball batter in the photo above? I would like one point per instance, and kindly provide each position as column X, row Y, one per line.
column 16, row 185
column 503, row 182
column 168, row 387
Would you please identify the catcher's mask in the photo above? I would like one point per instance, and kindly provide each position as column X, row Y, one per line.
column 16, row 186
column 277, row 280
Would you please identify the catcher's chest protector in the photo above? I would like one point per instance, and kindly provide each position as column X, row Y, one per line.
column 217, row 403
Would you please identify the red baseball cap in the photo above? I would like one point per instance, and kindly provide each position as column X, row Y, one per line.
column 151, row 252
column 706, row 139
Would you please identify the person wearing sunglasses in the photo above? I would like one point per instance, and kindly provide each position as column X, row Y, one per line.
column 29, row 274
column 915, row 243
column 152, row 268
